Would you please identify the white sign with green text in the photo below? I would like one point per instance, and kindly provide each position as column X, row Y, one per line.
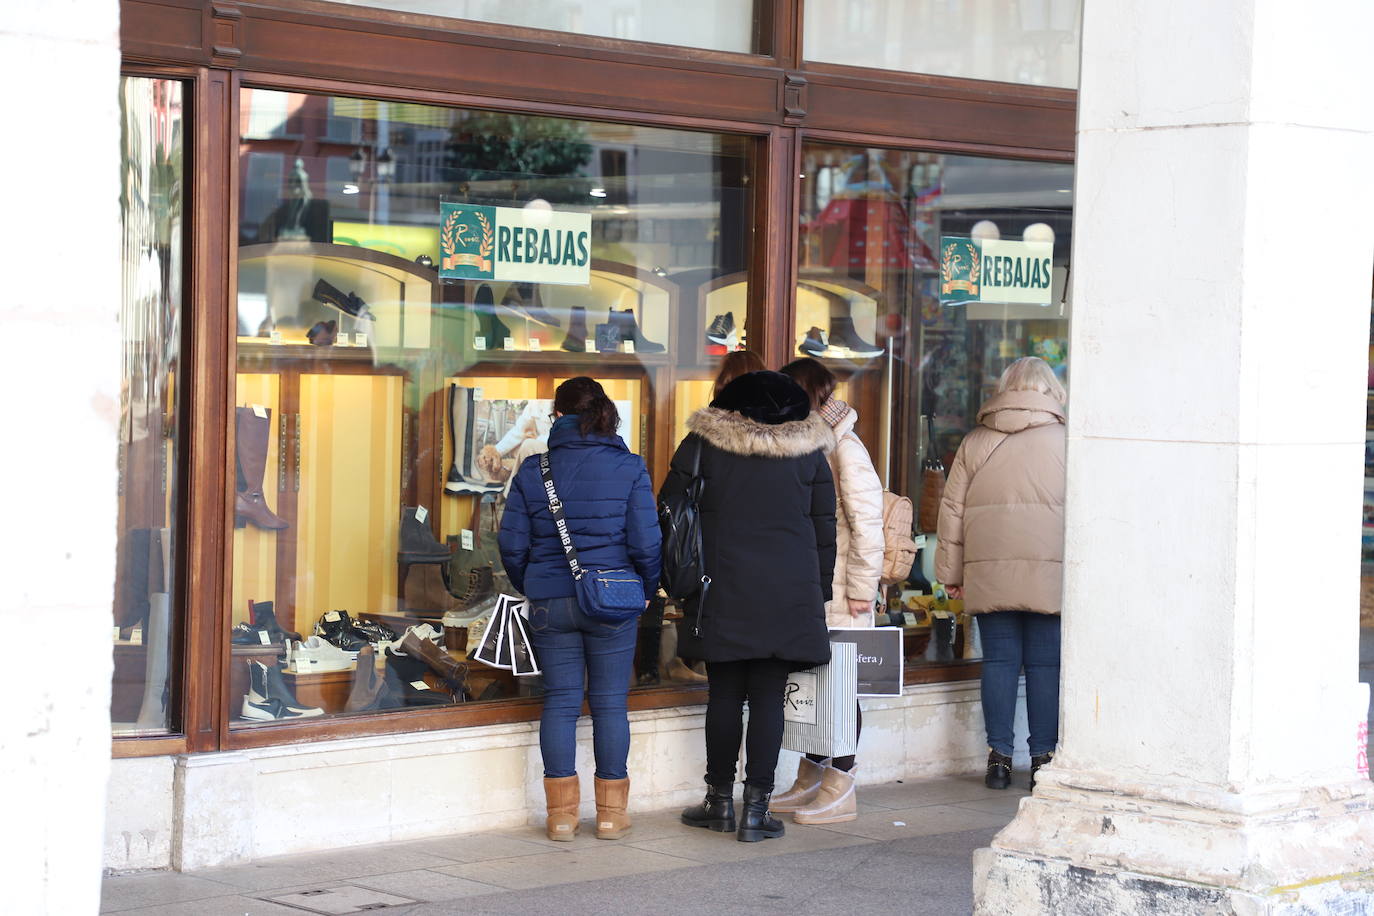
column 995, row 270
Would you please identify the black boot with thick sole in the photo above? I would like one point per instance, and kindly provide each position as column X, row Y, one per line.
column 756, row 821
column 999, row 771
column 716, row 811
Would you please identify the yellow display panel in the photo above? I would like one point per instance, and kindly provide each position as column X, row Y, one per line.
column 350, row 497
column 689, row 397
column 255, row 549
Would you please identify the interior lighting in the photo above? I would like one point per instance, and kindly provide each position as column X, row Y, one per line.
column 1038, row 232
column 985, row 230
column 350, row 189
column 597, row 192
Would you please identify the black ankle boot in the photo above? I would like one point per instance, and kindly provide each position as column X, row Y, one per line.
column 999, row 771
column 756, row 821
column 1037, row 762
column 576, row 341
column 716, row 811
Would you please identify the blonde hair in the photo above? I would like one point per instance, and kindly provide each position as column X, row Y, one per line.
column 1031, row 373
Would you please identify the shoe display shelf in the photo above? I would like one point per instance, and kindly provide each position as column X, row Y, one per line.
column 839, row 319
column 712, row 319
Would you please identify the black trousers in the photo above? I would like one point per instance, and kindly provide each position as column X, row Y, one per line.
column 759, row 682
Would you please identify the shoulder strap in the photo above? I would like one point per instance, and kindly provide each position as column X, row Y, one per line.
column 560, row 521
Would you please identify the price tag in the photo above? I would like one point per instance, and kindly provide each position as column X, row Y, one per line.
column 535, row 345
column 627, row 346
column 260, row 412
column 510, row 343
column 419, row 685
column 274, row 337
column 116, row 634
column 136, row 636
column 332, row 616
column 909, row 619
column 264, row 638
column 920, row 540
column 466, row 539
column 589, row 346
column 477, row 394
column 479, row 343
column 359, row 339
column 421, row 513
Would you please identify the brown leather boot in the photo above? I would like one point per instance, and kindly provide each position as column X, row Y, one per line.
column 251, row 436
column 561, row 795
column 612, row 795
column 425, row 591
column 443, row 664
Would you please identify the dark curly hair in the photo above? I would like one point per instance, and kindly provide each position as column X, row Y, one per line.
column 584, row 398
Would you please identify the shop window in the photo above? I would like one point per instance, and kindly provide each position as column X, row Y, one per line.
column 1012, row 41
column 401, row 327
column 721, row 25
column 914, row 359
column 146, row 600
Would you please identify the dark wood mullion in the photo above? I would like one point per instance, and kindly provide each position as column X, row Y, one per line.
column 772, row 283
column 210, row 482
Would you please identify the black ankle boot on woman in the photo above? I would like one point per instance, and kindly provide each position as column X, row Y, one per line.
column 999, row 771
column 756, row 821
column 716, row 812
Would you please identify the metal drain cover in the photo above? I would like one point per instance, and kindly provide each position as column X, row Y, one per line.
column 346, row 898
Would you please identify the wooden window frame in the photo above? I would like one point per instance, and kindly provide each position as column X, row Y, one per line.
column 219, row 46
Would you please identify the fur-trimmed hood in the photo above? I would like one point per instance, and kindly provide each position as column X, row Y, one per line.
column 735, row 433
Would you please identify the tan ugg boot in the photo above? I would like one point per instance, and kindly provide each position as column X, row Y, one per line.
column 834, row 804
column 678, row 671
column 561, row 795
column 612, row 795
column 803, row 790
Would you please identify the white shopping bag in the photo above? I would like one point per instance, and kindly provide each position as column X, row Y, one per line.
column 820, row 706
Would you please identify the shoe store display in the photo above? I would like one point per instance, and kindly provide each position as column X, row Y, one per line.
column 608, row 338
column 245, row 634
column 629, row 330
column 418, row 544
column 524, row 298
column 373, row 631
column 323, row 333
column 419, row 642
column 463, row 474
column 722, row 331
column 252, row 433
column 677, row 670
column 425, row 592
column 316, row 655
column 349, row 303
column 269, row 696
column 337, row 627
column 477, row 585
column 815, row 344
column 488, row 327
column 576, row 339
column 370, row 690
column 264, row 617
column 843, row 334
column 406, row 676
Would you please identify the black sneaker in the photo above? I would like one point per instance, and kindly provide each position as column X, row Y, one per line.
column 815, row 343
column 338, row 628
column 722, row 331
column 999, row 771
column 246, row 635
column 347, row 302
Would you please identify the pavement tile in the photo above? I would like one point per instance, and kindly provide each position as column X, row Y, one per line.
column 897, row 824
column 322, row 868
column 127, row 892
column 701, row 845
column 582, row 864
column 425, row 885
column 921, row 792
column 1005, row 807
column 478, row 847
column 234, row 905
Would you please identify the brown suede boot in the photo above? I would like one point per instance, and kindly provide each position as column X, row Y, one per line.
column 425, row 593
column 612, row 795
column 561, row 796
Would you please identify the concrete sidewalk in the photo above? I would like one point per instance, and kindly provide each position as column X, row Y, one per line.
column 908, row 852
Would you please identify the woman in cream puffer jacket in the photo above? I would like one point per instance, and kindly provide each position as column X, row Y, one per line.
column 824, row 794
column 1001, row 548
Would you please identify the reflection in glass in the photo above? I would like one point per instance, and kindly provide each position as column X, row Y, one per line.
column 722, row 25
column 1013, row 41
column 413, row 283
column 151, row 163
column 882, row 302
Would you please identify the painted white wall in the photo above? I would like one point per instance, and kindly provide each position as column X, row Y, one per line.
column 1222, row 259
column 213, row 809
column 59, row 246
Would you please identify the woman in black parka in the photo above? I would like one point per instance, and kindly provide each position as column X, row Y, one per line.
column 768, row 531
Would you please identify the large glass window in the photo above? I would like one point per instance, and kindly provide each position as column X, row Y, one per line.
column 413, row 283
column 151, row 207
column 1013, row 41
column 722, row 25
column 885, row 300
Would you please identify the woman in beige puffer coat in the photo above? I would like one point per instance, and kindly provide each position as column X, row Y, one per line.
column 1001, row 548
column 823, row 792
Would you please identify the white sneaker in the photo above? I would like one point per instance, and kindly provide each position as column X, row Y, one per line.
column 315, row 655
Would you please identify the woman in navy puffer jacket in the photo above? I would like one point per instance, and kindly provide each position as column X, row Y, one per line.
column 609, row 505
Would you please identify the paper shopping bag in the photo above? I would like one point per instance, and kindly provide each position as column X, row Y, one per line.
column 820, row 706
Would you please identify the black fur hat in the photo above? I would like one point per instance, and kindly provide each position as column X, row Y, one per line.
column 765, row 397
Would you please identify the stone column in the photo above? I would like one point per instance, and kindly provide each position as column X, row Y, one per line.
column 1223, row 244
column 59, row 306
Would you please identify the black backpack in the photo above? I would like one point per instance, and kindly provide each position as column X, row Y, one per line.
column 679, row 518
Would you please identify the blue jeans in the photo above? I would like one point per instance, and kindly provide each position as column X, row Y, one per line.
column 1013, row 640
column 573, row 650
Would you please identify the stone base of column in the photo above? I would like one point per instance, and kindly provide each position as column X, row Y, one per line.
column 1089, row 843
